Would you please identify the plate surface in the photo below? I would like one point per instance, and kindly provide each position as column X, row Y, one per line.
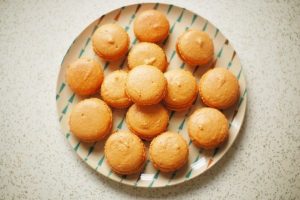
column 180, row 20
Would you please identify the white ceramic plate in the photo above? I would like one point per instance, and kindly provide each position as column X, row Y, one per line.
column 180, row 20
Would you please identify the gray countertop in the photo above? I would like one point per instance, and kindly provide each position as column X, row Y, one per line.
column 36, row 162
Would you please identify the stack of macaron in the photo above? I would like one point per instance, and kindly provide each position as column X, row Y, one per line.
column 149, row 92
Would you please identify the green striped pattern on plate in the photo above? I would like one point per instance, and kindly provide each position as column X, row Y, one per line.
column 180, row 20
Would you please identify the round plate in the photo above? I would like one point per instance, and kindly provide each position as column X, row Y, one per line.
column 180, row 20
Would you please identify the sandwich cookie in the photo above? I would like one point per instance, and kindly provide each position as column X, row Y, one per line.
column 113, row 90
column 208, row 128
column 125, row 152
column 90, row 120
column 110, row 42
column 84, row 76
column 147, row 121
column 168, row 152
column 148, row 54
column 195, row 47
column 219, row 88
column 182, row 90
column 151, row 26
column 146, row 85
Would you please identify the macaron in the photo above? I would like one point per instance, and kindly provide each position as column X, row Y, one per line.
column 208, row 128
column 151, row 26
column 195, row 47
column 110, row 41
column 168, row 152
column 84, row 76
column 146, row 85
column 219, row 88
column 125, row 152
column 113, row 90
column 90, row 120
column 182, row 90
column 146, row 53
column 147, row 121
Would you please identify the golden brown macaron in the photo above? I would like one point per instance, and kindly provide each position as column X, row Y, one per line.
column 146, row 85
column 113, row 90
column 90, row 120
column 208, row 128
column 219, row 88
column 195, row 47
column 151, row 26
column 168, row 152
column 147, row 121
column 146, row 53
column 84, row 76
column 182, row 89
column 110, row 41
column 125, row 152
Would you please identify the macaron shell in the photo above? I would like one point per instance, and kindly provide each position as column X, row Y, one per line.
column 219, row 88
column 90, row 120
column 110, row 41
column 195, row 47
column 208, row 128
column 168, row 152
column 181, row 107
column 147, row 121
column 146, row 85
column 84, row 76
column 151, row 26
column 113, row 89
column 182, row 89
column 125, row 152
column 146, row 53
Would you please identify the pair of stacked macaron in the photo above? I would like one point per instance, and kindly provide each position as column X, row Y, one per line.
column 147, row 91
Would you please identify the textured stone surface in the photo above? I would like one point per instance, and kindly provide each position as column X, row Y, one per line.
column 36, row 162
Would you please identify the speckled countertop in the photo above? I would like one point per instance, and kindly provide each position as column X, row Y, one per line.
column 36, row 162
